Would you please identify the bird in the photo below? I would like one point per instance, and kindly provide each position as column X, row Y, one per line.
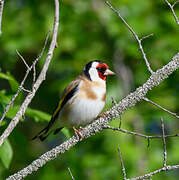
column 81, row 102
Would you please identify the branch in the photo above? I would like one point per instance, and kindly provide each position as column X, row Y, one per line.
column 173, row 114
column 38, row 82
column 139, row 134
column 69, row 170
column 164, row 168
column 27, row 66
column 164, row 144
column 139, row 41
column 148, row 175
column 172, row 9
column 129, row 101
column 122, row 164
column 1, row 12
column 25, row 77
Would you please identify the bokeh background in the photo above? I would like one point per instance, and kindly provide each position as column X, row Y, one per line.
column 90, row 30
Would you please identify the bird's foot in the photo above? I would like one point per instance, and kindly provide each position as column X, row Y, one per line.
column 102, row 114
column 81, row 128
column 77, row 132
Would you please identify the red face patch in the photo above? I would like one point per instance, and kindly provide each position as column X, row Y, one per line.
column 101, row 68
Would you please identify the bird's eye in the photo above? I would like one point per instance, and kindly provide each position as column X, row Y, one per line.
column 101, row 69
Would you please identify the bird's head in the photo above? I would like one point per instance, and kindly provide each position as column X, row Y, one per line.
column 97, row 70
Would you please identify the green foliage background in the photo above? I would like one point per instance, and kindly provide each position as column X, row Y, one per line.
column 89, row 30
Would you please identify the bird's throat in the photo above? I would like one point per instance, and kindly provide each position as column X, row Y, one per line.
column 103, row 77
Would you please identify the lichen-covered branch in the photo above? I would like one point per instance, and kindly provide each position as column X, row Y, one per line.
column 129, row 101
column 39, row 80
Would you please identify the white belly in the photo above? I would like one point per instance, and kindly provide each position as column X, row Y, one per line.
column 83, row 112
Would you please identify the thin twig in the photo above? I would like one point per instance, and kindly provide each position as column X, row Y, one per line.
column 34, row 75
column 1, row 12
column 148, row 142
column 175, row 3
column 39, row 56
column 26, row 90
column 38, row 82
column 135, row 35
column 113, row 100
column 71, row 174
column 148, row 175
column 164, row 144
column 120, row 122
column 172, row 9
column 122, row 164
column 147, row 36
column 15, row 96
column 138, row 134
column 173, row 114
column 22, row 59
column 25, row 77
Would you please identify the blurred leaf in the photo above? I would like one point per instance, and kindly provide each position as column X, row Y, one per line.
column 6, row 153
column 4, row 98
column 38, row 115
column 66, row 132
column 12, row 111
column 13, row 83
column 33, row 113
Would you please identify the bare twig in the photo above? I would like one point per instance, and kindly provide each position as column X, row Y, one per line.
column 175, row 3
column 120, row 122
column 122, row 164
column 100, row 124
column 1, row 12
column 69, row 170
column 27, row 66
column 148, row 175
column 165, row 167
column 39, row 57
column 25, row 77
column 145, row 37
column 135, row 35
column 113, row 100
column 164, row 144
column 38, row 82
column 172, row 9
column 15, row 96
column 26, row 90
column 139, row 134
column 173, row 114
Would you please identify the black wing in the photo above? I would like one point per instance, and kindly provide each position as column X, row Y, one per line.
column 42, row 135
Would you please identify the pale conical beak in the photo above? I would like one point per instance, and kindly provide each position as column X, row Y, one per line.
column 109, row 73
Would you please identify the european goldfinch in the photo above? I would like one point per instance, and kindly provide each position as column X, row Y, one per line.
column 81, row 101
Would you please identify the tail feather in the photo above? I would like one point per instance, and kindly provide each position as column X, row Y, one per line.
column 43, row 134
column 57, row 130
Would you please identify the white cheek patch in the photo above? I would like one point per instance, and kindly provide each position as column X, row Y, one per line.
column 94, row 73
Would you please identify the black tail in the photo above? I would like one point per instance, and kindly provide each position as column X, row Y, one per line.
column 43, row 134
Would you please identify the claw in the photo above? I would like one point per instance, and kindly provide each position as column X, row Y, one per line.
column 77, row 132
column 81, row 128
column 102, row 115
